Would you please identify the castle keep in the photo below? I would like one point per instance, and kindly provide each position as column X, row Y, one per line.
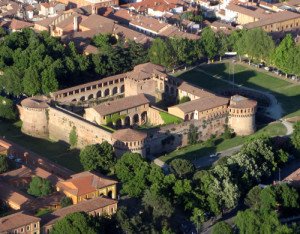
column 128, row 100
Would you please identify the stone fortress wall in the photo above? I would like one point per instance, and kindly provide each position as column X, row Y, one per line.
column 43, row 118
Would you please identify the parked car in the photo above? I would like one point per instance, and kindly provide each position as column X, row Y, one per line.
column 267, row 68
column 261, row 65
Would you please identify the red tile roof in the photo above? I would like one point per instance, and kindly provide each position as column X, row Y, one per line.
column 13, row 221
column 84, row 183
column 128, row 134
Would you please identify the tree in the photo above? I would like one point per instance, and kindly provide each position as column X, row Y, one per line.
column 209, row 43
column 287, row 196
column 250, row 221
column 252, row 199
column 296, row 136
column 49, row 81
column 66, row 201
column 198, row 218
column 223, row 44
column 222, row 228
column 39, row 187
column 7, row 109
column 284, row 53
column 193, row 134
column 31, row 82
column 268, row 200
column 182, row 168
column 3, row 164
column 76, row 223
column 132, row 170
column 73, row 138
column 184, row 99
column 99, row 157
column 161, row 53
column 161, row 206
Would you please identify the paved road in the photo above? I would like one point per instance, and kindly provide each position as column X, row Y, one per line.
column 208, row 161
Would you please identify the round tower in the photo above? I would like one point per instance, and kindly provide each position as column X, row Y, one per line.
column 129, row 140
column 34, row 115
column 241, row 115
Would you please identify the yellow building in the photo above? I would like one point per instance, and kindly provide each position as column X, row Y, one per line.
column 86, row 185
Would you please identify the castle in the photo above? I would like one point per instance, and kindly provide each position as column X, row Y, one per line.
column 129, row 100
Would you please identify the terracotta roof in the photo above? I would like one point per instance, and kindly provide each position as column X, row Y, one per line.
column 202, row 104
column 98, row 21
column 129, row 134
column 19, row 24
column 238, row 101
column 85, row 206
column 145, row 71
column 294, row 177
column 194, row 90
column 13, row 221
column 13, row 195
column 118, row 105
column 36, row 102
column 274, row 18
column 249, row 10
column 148, row 23
column 85, row 182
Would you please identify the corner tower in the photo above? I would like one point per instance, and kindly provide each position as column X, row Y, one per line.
column 241, row 115
column 34, row 115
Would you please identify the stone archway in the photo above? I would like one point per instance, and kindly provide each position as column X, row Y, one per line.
column 82, row 98
column 186, row 117
column 144, row 117
column 114, row 90
column 91, row 96
column 74, row 100
column 118, row 123
column 135, row 119
column 127, row 121
column 99, row 94
column 122, row 89
column 106, row 92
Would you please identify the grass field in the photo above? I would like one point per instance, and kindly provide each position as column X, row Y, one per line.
column 203, row 149
column 287, row 94
column 58, row 152
column 169, row 119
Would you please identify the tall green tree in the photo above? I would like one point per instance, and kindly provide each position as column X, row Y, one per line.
column 283, row 56
column 161, row 53
column 99, row 157
column 32, row 82
column 7, row 109
column 296, row 136
column 182, row 168
column 132, row 170
column 76, row 223
column 222, row 228
column 209, row 43
column 39, row 187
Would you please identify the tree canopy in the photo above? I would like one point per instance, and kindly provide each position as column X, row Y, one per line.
column 39, row 187
column 98, row 157
column 76, row 223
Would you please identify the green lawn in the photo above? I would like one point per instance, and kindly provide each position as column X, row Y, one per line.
column 203, row 149
column 58, row 152
column 169, row 119
column 288, row 94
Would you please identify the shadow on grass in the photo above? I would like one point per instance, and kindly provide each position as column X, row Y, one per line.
column 58, row 152
column 286, row 93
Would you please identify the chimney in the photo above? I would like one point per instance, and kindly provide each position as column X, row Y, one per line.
column 75, row 23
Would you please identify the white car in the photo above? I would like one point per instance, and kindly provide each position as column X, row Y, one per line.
column 213, row 155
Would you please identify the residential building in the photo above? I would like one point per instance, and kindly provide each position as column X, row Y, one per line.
column 87, row 185
column 19, row 223
column 96, row 207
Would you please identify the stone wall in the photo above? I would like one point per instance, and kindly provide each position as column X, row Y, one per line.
column 161, row 142
column 154, row 117
column 61, row 123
